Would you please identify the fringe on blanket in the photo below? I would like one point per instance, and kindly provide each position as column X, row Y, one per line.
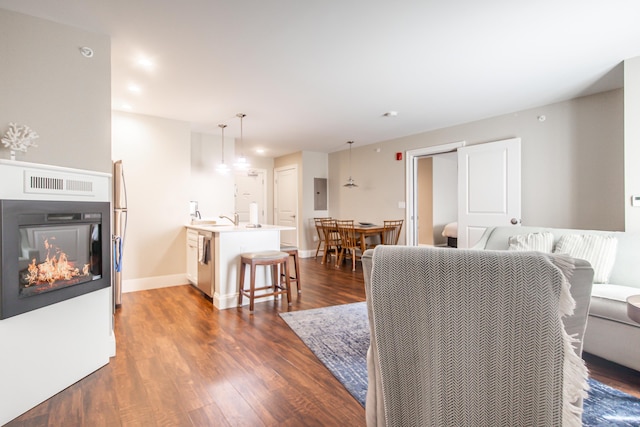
column 575, row 373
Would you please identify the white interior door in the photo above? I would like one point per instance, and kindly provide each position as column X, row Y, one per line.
column 488, row 188
column 286, row 202
column 251, row 186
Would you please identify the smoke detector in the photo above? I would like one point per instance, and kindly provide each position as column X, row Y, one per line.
column 87, row 52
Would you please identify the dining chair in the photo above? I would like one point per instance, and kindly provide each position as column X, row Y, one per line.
column 332, row 240
column 321, row 236
column 391, row 233
column 349, row 240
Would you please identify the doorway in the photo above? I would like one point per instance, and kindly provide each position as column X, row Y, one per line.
column 436, row 197
column 413, row 194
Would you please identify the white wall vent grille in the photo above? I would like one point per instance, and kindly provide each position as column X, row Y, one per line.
column 75, row 185
column 50, row 182
column 46, row 183
column 59, row 184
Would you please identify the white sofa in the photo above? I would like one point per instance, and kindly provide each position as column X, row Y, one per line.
column 610, row 333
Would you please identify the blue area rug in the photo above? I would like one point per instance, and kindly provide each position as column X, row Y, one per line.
column 339, row 337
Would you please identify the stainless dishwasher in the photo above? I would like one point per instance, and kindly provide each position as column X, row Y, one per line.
column 206, row 262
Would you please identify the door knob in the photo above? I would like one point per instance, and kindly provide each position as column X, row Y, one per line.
column 514, row 221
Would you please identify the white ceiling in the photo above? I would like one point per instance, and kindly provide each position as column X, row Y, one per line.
column 313, row 74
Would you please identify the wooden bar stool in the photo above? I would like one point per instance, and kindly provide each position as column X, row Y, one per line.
column 293, row 252
column 266, row 258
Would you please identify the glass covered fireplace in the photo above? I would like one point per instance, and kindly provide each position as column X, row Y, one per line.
column 51, row 251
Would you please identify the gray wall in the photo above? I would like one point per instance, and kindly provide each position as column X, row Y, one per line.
column 572, row 165
column 50, row 87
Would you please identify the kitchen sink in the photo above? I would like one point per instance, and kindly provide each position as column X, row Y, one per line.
column 204, row 222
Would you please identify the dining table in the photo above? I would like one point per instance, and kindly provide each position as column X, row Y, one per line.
column 363, row 229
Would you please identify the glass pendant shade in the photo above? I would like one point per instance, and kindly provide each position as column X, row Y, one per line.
column 350, row 183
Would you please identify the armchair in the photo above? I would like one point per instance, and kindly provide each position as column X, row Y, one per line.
column 462, row 337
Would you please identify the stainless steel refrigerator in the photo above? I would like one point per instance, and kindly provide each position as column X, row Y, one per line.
column 119, row 228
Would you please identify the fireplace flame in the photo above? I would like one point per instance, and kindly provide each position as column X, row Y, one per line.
column 55, row 267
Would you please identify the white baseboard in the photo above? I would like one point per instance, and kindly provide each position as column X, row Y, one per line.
column 156, row 282
column 309, row 253
column 112, row 344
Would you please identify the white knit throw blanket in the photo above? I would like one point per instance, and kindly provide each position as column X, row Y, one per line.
column 474, row 338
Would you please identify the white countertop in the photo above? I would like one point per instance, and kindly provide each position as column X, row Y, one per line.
column 242, row 228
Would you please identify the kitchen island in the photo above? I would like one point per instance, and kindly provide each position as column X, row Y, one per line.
column 219, row 277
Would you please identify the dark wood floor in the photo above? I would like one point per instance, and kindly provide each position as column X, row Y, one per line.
column 181, row 363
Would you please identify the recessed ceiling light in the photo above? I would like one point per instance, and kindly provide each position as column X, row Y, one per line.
column 134, row 88
column 145, row 63
column 127, row 107
column 260, row 150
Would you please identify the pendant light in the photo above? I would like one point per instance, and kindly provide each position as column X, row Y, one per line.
column 241, row 162
column 350, row 182
column 222, row 167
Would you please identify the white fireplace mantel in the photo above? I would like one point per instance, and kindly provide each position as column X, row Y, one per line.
column 34, row 181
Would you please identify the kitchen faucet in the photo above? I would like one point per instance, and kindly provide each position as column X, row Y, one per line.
column 236, row 218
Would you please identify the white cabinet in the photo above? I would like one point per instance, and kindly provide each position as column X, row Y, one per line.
column 192, row 256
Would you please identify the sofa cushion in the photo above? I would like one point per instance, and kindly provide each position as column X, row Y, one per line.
column 625, row 269
column 599, row 250
column 609, row 301
column 541, row 242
